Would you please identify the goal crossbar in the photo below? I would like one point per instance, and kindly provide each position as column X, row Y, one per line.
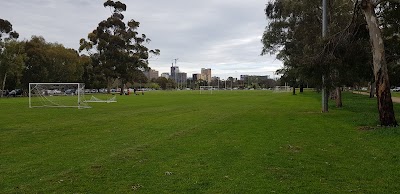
column 206, row 88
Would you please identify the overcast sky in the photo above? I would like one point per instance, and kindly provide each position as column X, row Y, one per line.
column 223, row 35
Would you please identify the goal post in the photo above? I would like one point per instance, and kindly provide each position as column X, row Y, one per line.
column 206, row 89
column 59, row 95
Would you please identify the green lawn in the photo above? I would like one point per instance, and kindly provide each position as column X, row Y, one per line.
column 184, row 142
column 396, row 94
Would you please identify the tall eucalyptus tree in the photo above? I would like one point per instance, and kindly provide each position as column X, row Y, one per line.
column 385, row 104
column 116, row 48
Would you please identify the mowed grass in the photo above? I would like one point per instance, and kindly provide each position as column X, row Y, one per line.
column 396, row 94
column 184, row 142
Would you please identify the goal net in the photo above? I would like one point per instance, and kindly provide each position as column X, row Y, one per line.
column 282, row 89
column 57, row 95
column 206, row 89
column 95, row 99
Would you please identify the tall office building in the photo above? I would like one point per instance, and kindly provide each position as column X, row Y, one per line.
column 206, row 74
column 166, row 75
column 181, row 78
column 174, row 73
column 196, row 77
column 151, row 74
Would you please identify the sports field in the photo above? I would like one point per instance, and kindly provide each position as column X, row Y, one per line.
column 396, row 94
column 184, row 142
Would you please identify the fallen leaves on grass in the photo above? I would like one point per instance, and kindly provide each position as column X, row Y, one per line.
column 168, row 173
column 136, row 187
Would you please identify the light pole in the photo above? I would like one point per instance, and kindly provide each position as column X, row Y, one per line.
column 324, row 30
column 225, row 84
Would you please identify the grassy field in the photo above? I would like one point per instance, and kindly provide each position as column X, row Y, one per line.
column 184, row 142
column 396, row 94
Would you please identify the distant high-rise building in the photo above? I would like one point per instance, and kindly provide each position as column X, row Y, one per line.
column 151, row 74
column 196, row 76
column 181, row 78
column 165, row 75
column 243, row 77
column 206, row 74
column 174, row 73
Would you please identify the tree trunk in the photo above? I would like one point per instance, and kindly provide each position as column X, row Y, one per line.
column 372, row 90
column 109, row 85
column 4, row 84
column 301, row 88
column 333, row 94
column 122, row 88
column 294, row 90
column 339, row 103
column 385, row 104
column 294, row 87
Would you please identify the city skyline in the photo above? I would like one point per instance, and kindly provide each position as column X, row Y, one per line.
column 200, row 74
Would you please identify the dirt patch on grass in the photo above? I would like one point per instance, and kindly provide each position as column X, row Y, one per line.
column 293, row 149
column 394, row 99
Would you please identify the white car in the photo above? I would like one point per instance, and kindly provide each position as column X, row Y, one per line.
column 396, row 89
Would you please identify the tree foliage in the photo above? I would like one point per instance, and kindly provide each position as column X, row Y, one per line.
column 6, row 30
column 389, row 17
column 11, row 54
column 51, row 62
column 12, row 62
column 294, row 34
column 117, row 50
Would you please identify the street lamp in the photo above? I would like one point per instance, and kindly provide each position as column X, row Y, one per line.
column 225, row 84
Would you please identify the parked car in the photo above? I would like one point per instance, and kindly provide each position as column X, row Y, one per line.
column 57, row 92
column 396, row 89
column 70, row 92
column 16, row 92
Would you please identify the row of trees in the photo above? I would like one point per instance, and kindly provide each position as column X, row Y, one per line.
column 36, row 60
column 113, row 51
column 351, row 54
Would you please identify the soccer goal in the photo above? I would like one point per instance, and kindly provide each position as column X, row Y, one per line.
column 57, row 95
column 282, row 89
column 206, row 89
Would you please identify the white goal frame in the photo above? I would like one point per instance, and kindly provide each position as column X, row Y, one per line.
column 202, row 88
column 41, row 95
column 282, row 88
